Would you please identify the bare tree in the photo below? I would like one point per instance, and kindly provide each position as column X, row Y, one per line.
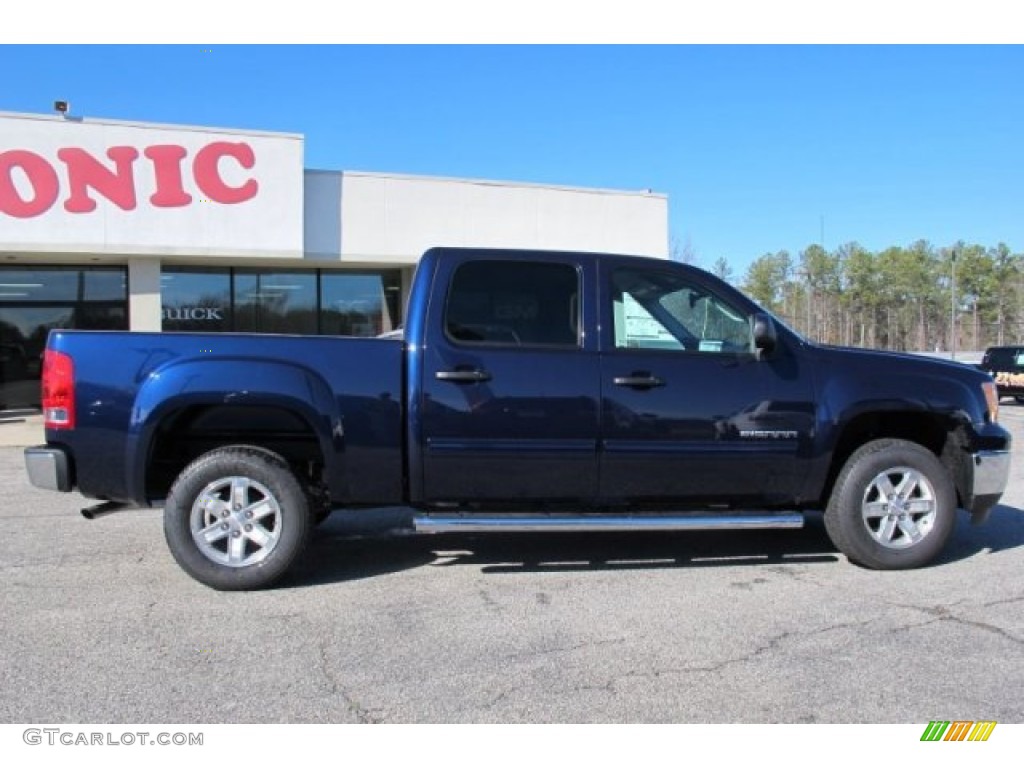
column 683, row 252
column 722, row 270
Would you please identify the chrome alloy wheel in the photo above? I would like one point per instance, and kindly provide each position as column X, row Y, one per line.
column 899, row 507
column 236, row 521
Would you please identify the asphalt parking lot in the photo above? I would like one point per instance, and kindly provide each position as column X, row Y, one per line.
column 100, row 625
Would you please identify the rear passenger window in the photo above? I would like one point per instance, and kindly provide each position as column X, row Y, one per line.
column 514, row 303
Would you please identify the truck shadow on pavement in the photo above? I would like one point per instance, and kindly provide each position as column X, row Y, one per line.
column 1003, row 530
column 336, row 554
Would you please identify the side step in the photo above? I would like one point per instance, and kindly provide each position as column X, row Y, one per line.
column 527, row 523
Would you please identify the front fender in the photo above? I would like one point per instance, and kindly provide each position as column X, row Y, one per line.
column 844, row 398
column 848, row 395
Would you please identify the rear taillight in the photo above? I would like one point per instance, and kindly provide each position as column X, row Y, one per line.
column 58, row 390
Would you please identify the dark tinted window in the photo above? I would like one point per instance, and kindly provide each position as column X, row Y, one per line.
column 1004, row 358
column 276, row 302
column 59, row 284
column 354, row 304
column 37, row 299
column 195, row 299
column 514, row 303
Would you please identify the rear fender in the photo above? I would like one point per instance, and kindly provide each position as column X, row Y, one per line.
column 216, row 381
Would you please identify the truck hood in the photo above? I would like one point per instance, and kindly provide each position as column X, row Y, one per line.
column 883, row 361
column 897, row 380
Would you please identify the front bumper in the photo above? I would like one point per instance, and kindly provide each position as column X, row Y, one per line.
column 48, row 468
column 991, row 475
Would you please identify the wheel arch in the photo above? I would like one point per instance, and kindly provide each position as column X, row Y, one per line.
column 204, row 404
column 943, row 435
column 193, row 429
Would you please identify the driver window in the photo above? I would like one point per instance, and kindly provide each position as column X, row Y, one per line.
column 659, row 310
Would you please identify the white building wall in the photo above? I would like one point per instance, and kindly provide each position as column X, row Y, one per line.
column 109, row 190
column 322, row 218
column 373, row 218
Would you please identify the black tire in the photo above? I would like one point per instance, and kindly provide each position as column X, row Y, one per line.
column 882, row 480
column 1019, row 399
column 254, row 510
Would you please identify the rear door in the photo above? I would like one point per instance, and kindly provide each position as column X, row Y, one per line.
column 510, row 387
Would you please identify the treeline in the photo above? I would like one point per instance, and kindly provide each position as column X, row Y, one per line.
column 899, row 298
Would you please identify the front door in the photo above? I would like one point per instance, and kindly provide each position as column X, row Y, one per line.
column 689, row 411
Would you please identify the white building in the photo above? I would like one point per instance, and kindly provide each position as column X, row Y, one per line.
column 112, row 224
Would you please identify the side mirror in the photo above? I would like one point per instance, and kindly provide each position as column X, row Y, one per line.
column 763, row 330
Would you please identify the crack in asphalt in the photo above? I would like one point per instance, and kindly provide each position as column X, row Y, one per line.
column 504, row 694
column 765, row 648
column 489, row 601
column 363, row 715
column 1003, row 602
column 942, row 613
column 567, row 649
column 608, row 687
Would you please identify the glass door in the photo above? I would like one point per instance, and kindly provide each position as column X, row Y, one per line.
column 36, row 300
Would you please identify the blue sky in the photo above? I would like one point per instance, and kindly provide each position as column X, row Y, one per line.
column 755, row 145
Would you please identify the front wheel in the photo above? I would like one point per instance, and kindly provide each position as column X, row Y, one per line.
column 893, row 506
column 237, row 518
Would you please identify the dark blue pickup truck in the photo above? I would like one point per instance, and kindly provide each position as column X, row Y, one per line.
column 538, row 391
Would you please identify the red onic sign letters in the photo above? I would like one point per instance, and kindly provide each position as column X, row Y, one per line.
column 88, row 175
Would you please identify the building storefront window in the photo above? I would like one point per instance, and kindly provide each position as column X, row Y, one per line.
column 196, row 300
column 354, row 304
column 275, row 302
column 34, row 301
column 309, row 302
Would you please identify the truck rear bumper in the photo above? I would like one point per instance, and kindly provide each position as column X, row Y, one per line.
column 48, row 468
column 991, row 475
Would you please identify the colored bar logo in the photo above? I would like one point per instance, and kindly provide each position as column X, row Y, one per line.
column 959, row 730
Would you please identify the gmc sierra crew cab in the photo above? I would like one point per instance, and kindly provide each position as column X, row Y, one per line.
column 529, row 391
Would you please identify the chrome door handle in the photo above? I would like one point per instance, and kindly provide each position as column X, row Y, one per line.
column 639, row 382
column 463, row 377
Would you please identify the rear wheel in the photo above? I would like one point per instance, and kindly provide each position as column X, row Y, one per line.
column 237, row 518
column 893, row 506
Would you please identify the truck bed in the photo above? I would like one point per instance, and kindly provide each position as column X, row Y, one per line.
column 146, row 397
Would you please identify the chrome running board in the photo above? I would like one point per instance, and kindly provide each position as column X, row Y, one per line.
column 531, row 523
